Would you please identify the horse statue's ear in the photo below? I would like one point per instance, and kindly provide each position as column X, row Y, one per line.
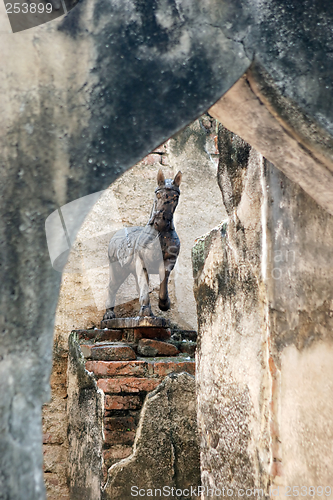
column 160, row 178
column 177, row 179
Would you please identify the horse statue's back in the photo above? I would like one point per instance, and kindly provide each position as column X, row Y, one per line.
column 152, row 249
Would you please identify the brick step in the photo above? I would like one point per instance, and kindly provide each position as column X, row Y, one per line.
column 152, row 348
column 122, row 351
column 142, row 322
column 118, row 368
column 139, row 368
column 135, row 334
column 108, row 352
column 114, row 454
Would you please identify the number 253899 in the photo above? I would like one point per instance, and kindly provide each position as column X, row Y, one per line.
column 31, row 8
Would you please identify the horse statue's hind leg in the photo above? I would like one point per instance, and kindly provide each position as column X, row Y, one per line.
column 143, row 284
column 118, row 275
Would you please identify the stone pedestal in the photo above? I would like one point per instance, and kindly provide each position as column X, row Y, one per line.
column 139, row 321
column 144, row 351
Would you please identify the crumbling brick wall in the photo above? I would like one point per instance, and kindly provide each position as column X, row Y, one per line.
column 113, row 366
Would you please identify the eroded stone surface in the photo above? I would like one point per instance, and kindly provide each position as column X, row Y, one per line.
column 281, row 131
column 127, row 384
column 166, row 449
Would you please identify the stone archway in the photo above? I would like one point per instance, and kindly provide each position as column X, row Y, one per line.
column 82, row 294
column 85, row 98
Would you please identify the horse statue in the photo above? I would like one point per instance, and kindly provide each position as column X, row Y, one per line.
column 152, row 249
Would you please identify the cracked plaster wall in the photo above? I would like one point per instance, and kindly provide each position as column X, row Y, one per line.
column 264, row 295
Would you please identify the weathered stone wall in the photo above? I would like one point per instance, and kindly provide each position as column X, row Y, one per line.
column 264, row 294
column 127, row 364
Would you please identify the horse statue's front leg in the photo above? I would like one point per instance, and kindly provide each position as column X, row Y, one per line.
column 143, row 284
column 164, row 301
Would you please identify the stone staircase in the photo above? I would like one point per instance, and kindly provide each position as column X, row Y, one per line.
column 129, row 358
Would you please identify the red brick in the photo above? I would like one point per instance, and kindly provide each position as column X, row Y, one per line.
column 151, row 159
column 127, row 384
column 149, row 347
column 122, row 402
column 119, row 424
column 112, row 352
column 111, row 335
column 152, row 333
column 163, row 368
column 118, row 437
column 116, row 368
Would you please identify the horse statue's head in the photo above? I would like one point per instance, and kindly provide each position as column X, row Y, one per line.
column 165, row 202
